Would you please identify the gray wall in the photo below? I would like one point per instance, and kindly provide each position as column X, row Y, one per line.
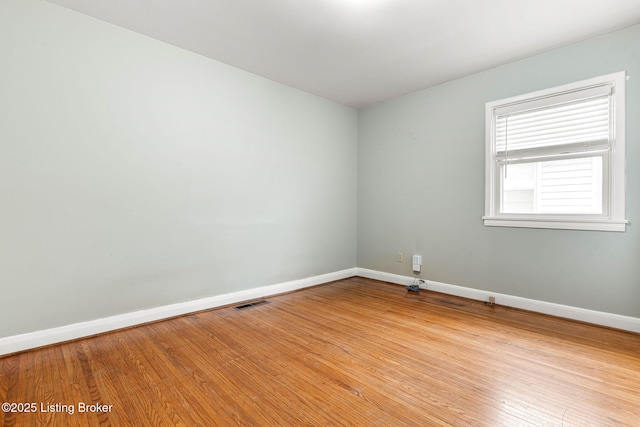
column 134, row 174
column 421, row 188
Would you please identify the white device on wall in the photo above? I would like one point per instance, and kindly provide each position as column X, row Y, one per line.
column 417, row 263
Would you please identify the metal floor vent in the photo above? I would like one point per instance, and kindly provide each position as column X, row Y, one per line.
column 251, row 304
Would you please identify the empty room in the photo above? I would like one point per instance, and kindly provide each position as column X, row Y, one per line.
column 318, row 213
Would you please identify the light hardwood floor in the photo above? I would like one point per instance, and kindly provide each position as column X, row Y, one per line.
column 355, row 352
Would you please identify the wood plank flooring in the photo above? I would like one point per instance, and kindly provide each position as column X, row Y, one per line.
column 356, row 352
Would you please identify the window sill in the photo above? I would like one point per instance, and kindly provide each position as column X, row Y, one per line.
column 557, row 223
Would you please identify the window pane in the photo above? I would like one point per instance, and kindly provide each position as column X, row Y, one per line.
column 518, row 195
column 569, row 186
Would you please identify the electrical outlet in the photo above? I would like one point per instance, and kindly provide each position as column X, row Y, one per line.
column 417, row 263
column 400, row 257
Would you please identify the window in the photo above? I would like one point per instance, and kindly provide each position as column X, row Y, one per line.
column 556, row 158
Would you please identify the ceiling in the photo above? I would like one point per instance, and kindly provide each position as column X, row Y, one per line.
column 361, row 52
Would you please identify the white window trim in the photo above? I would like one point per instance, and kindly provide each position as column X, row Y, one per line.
column 614, row 220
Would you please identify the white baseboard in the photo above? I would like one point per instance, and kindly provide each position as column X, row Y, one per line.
column 41, row 338
column 590, row 316
column 45, row 337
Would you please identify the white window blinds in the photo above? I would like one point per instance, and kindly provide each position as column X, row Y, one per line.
column 571, row 122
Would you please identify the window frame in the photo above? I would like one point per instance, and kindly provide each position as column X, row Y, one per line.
column 613, row 183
